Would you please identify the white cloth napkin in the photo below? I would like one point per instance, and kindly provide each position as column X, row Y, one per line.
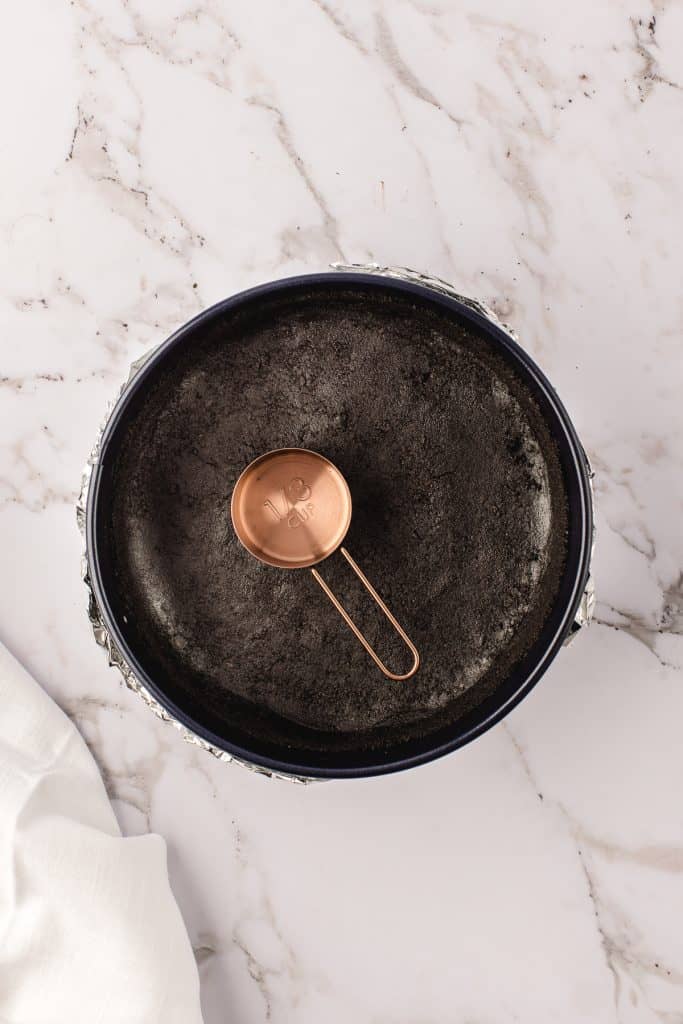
column 89, row 929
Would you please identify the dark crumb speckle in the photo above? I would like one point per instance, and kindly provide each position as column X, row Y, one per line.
column 459, row 519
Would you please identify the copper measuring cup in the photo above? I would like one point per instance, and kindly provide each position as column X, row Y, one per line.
column 291, row 508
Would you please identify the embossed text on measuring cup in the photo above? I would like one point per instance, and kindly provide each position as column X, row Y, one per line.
column 293, row 505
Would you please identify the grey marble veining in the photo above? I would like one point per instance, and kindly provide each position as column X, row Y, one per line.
column 161, row 156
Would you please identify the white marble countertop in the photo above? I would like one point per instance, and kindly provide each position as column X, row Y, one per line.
column 158, row 156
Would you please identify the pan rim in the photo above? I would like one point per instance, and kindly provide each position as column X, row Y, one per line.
column 494, row 708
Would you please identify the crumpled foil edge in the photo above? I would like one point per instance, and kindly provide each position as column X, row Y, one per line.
column 100, row 631
column 586, row 609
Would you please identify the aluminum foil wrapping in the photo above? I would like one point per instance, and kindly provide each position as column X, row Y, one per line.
column 104, row 638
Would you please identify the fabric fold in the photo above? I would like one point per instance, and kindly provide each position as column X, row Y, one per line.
column 89, row 929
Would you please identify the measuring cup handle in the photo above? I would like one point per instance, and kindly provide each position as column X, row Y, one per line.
column 354, row 628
